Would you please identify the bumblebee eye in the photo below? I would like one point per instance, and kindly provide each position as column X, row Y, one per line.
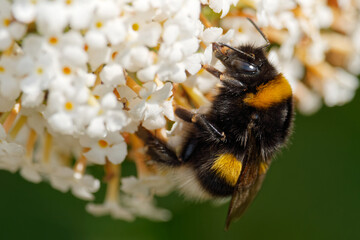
column 244, row 66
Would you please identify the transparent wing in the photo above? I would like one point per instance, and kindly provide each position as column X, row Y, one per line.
column 248, row 185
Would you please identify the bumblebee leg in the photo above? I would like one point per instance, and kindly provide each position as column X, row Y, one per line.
column 157, row 149
column 200, row 121
column 232, row 81
column 189, row 149
column 223, row 77
column 212, row 70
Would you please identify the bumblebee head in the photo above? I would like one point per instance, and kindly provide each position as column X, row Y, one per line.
column 246, row 64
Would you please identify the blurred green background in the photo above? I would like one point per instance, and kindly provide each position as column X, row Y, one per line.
column 312, row 191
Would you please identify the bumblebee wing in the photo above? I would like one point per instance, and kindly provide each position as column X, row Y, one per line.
column 248, row 185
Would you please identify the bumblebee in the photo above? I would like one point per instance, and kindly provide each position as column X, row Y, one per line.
column 227, row 150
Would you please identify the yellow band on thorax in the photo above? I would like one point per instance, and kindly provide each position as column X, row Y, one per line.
column 274, row 91
column 227, row 167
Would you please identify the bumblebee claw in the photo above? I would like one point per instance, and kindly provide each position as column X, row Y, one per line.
column 223, row 138
column 224, row 77
column 194, row 118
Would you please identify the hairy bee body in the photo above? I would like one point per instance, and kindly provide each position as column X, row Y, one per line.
column 227, row 150
column 248, row 129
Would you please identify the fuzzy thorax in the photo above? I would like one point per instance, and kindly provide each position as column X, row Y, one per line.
column 270, row 93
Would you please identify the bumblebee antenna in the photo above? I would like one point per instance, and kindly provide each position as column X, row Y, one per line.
column 252, row 56
column 261, row 32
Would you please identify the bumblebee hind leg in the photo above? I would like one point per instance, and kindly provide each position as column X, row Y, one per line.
column 157, row 149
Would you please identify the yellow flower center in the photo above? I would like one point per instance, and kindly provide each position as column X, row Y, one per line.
column 69, row 106
column 103, row 143
column 99, row 24
column 135, row 26
column 66, row 70
column 68, row 2
column 39, row 70
column 2, row 69
column 6, row 22
column 53, row 40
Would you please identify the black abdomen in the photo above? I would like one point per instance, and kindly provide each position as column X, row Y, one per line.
column 215, row 185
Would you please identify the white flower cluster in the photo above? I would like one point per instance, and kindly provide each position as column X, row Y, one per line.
column 317, row 52
column 77, row 77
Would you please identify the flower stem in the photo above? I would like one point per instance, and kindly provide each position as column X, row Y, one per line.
column 47, row 147
column 80, row 165
column 179, row 98
column 205, row 21
column 113, row 178
column 195, row 95
column 131, row 83
column 138, row 155
column 97, row 73
column 11, row 117
column 17, row 127
column 30, row 144
column 4, row 117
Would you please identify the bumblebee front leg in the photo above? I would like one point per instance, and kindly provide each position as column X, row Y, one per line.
column 223, row 77
column 157, row 149
column 216, row 73
column 200, row 121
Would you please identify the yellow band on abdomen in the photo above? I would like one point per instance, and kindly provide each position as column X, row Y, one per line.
column 227, row 167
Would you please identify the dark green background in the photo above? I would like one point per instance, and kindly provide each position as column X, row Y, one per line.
column 312, row 191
